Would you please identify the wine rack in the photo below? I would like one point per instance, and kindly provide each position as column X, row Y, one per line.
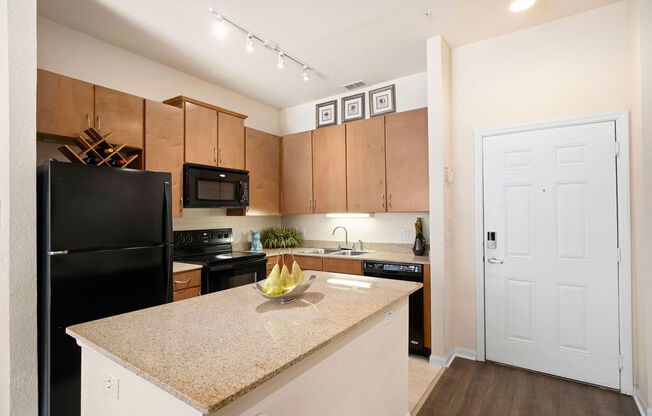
column 96, row 150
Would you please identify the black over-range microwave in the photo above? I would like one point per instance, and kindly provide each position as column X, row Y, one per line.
column 211, row 187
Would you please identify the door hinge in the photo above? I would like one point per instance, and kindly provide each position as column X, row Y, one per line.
column 618, row 254
column 617, row 148
column 620, row 362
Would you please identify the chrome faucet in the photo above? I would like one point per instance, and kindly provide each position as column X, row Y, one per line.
column 346, row 238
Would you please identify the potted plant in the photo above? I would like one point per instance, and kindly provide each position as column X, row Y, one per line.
column 281, row 237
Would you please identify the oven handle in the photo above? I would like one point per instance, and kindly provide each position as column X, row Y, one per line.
column 228, row 266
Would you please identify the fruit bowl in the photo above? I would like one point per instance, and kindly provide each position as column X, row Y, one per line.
column 288, row 296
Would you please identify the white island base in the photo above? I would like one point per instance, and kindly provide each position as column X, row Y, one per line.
column 363, row 372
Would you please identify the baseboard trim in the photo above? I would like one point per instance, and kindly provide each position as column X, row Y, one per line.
column 643, row 408
column 452, row 354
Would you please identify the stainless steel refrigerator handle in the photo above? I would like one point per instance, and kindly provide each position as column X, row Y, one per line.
column 494, row 260
column 57, row 253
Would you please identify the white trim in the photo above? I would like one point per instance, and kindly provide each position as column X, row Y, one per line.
column 621, row 118
column 643, row 409
column 452, row 354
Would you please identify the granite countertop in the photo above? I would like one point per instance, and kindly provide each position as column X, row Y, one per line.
column 209, row 350
column 178, row 267
column 371, row 255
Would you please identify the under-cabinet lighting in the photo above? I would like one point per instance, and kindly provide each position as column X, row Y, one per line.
column 350, row 283
column 520, row 5
column 350, row 215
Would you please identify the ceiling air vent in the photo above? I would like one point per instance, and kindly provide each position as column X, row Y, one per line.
column 355, row 85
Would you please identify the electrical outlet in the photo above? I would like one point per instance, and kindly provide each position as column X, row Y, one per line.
column 389, row 317
column 111, row 384
column 405, row 235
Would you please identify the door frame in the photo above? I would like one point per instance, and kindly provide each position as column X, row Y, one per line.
column 621, row 119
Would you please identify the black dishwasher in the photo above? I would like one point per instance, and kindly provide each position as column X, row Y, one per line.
column 411, row 273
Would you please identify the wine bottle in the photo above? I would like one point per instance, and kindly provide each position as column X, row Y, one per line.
column 108, row 150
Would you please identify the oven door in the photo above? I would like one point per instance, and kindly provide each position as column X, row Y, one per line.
column 226, row 276
column 209, row 187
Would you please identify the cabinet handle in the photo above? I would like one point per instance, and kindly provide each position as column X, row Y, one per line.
column 99, row 123
column 179, row 282
column 220, row 156
column 383, row 200
column 314, row 204
column 215, row 154
column 180, row 203
column 390, row 200
column 310, row 204
column 88, row 120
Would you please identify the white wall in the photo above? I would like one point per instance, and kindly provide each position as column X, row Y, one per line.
column 18, row 348
column 570, row 67
column 4, row 213
column 379, row 228
column 410, row 95
column 72, row 53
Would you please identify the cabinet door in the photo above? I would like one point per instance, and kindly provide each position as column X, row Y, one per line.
column 164, row 146
column 297, row 173
column 343, row 266
column 120, row 113
column 264, row 166
column 407, row 161
column 64, row 106
column 329, row 169
column 365, row 165
column 201, row 135
column 230, row 141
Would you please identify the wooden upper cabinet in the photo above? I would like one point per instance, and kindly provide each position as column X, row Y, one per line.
column 365, row 165
column 230, row 141
column 297, row 173
column 64, row 106
column 407, row 160
column 201, row 134
column 120, row 113
column 164, row 146
column 263, row 152
column 329, row 169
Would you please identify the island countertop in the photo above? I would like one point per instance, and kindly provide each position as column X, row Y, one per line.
column 209, row 350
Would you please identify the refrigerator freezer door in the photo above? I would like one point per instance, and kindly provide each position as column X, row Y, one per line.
column 94, row 207
column 82, row 287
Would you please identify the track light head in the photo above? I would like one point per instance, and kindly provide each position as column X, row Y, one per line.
column 250, row 43
column 281, row 60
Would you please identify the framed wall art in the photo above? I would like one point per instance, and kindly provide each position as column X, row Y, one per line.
column 353, row 108
column 382, row 101
column 326, row 114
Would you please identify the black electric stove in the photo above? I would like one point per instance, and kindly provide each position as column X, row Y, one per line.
column 223, row 268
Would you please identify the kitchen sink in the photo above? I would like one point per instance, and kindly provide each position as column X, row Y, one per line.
column 349, row 253
column 319, row 251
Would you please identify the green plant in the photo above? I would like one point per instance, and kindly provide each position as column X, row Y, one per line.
column 280, row 237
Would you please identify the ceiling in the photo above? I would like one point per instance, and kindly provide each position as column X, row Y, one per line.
column 344, row 40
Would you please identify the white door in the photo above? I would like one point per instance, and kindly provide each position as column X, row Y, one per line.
column 551, row 282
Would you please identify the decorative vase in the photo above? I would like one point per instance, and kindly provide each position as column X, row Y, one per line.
column 419, row 246
column 256, row 245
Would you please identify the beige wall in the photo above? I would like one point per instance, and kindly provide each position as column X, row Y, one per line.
column 18, row 351
column 570, row 67
column 69, row 52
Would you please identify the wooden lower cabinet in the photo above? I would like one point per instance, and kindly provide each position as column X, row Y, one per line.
column 305, row 262
column 426, row 306
column 343, row 266
column 186, row 285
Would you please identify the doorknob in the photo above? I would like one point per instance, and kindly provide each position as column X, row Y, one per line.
column 494, row 260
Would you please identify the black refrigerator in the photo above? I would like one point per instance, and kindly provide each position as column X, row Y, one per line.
column 105, row 248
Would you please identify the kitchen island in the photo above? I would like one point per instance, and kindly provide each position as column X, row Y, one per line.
column 340, row 348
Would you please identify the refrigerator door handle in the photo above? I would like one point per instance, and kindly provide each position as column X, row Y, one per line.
column 168, row 212
column 57, row 253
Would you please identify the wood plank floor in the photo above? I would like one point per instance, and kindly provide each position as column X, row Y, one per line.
column 478, row 388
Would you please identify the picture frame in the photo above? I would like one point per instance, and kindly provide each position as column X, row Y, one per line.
column 326, row 114
column 353, row 108
column 382, row 101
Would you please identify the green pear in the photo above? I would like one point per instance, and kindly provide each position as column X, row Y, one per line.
column 297, row 274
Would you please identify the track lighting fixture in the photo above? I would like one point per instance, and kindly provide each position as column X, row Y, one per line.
column 267, row 43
